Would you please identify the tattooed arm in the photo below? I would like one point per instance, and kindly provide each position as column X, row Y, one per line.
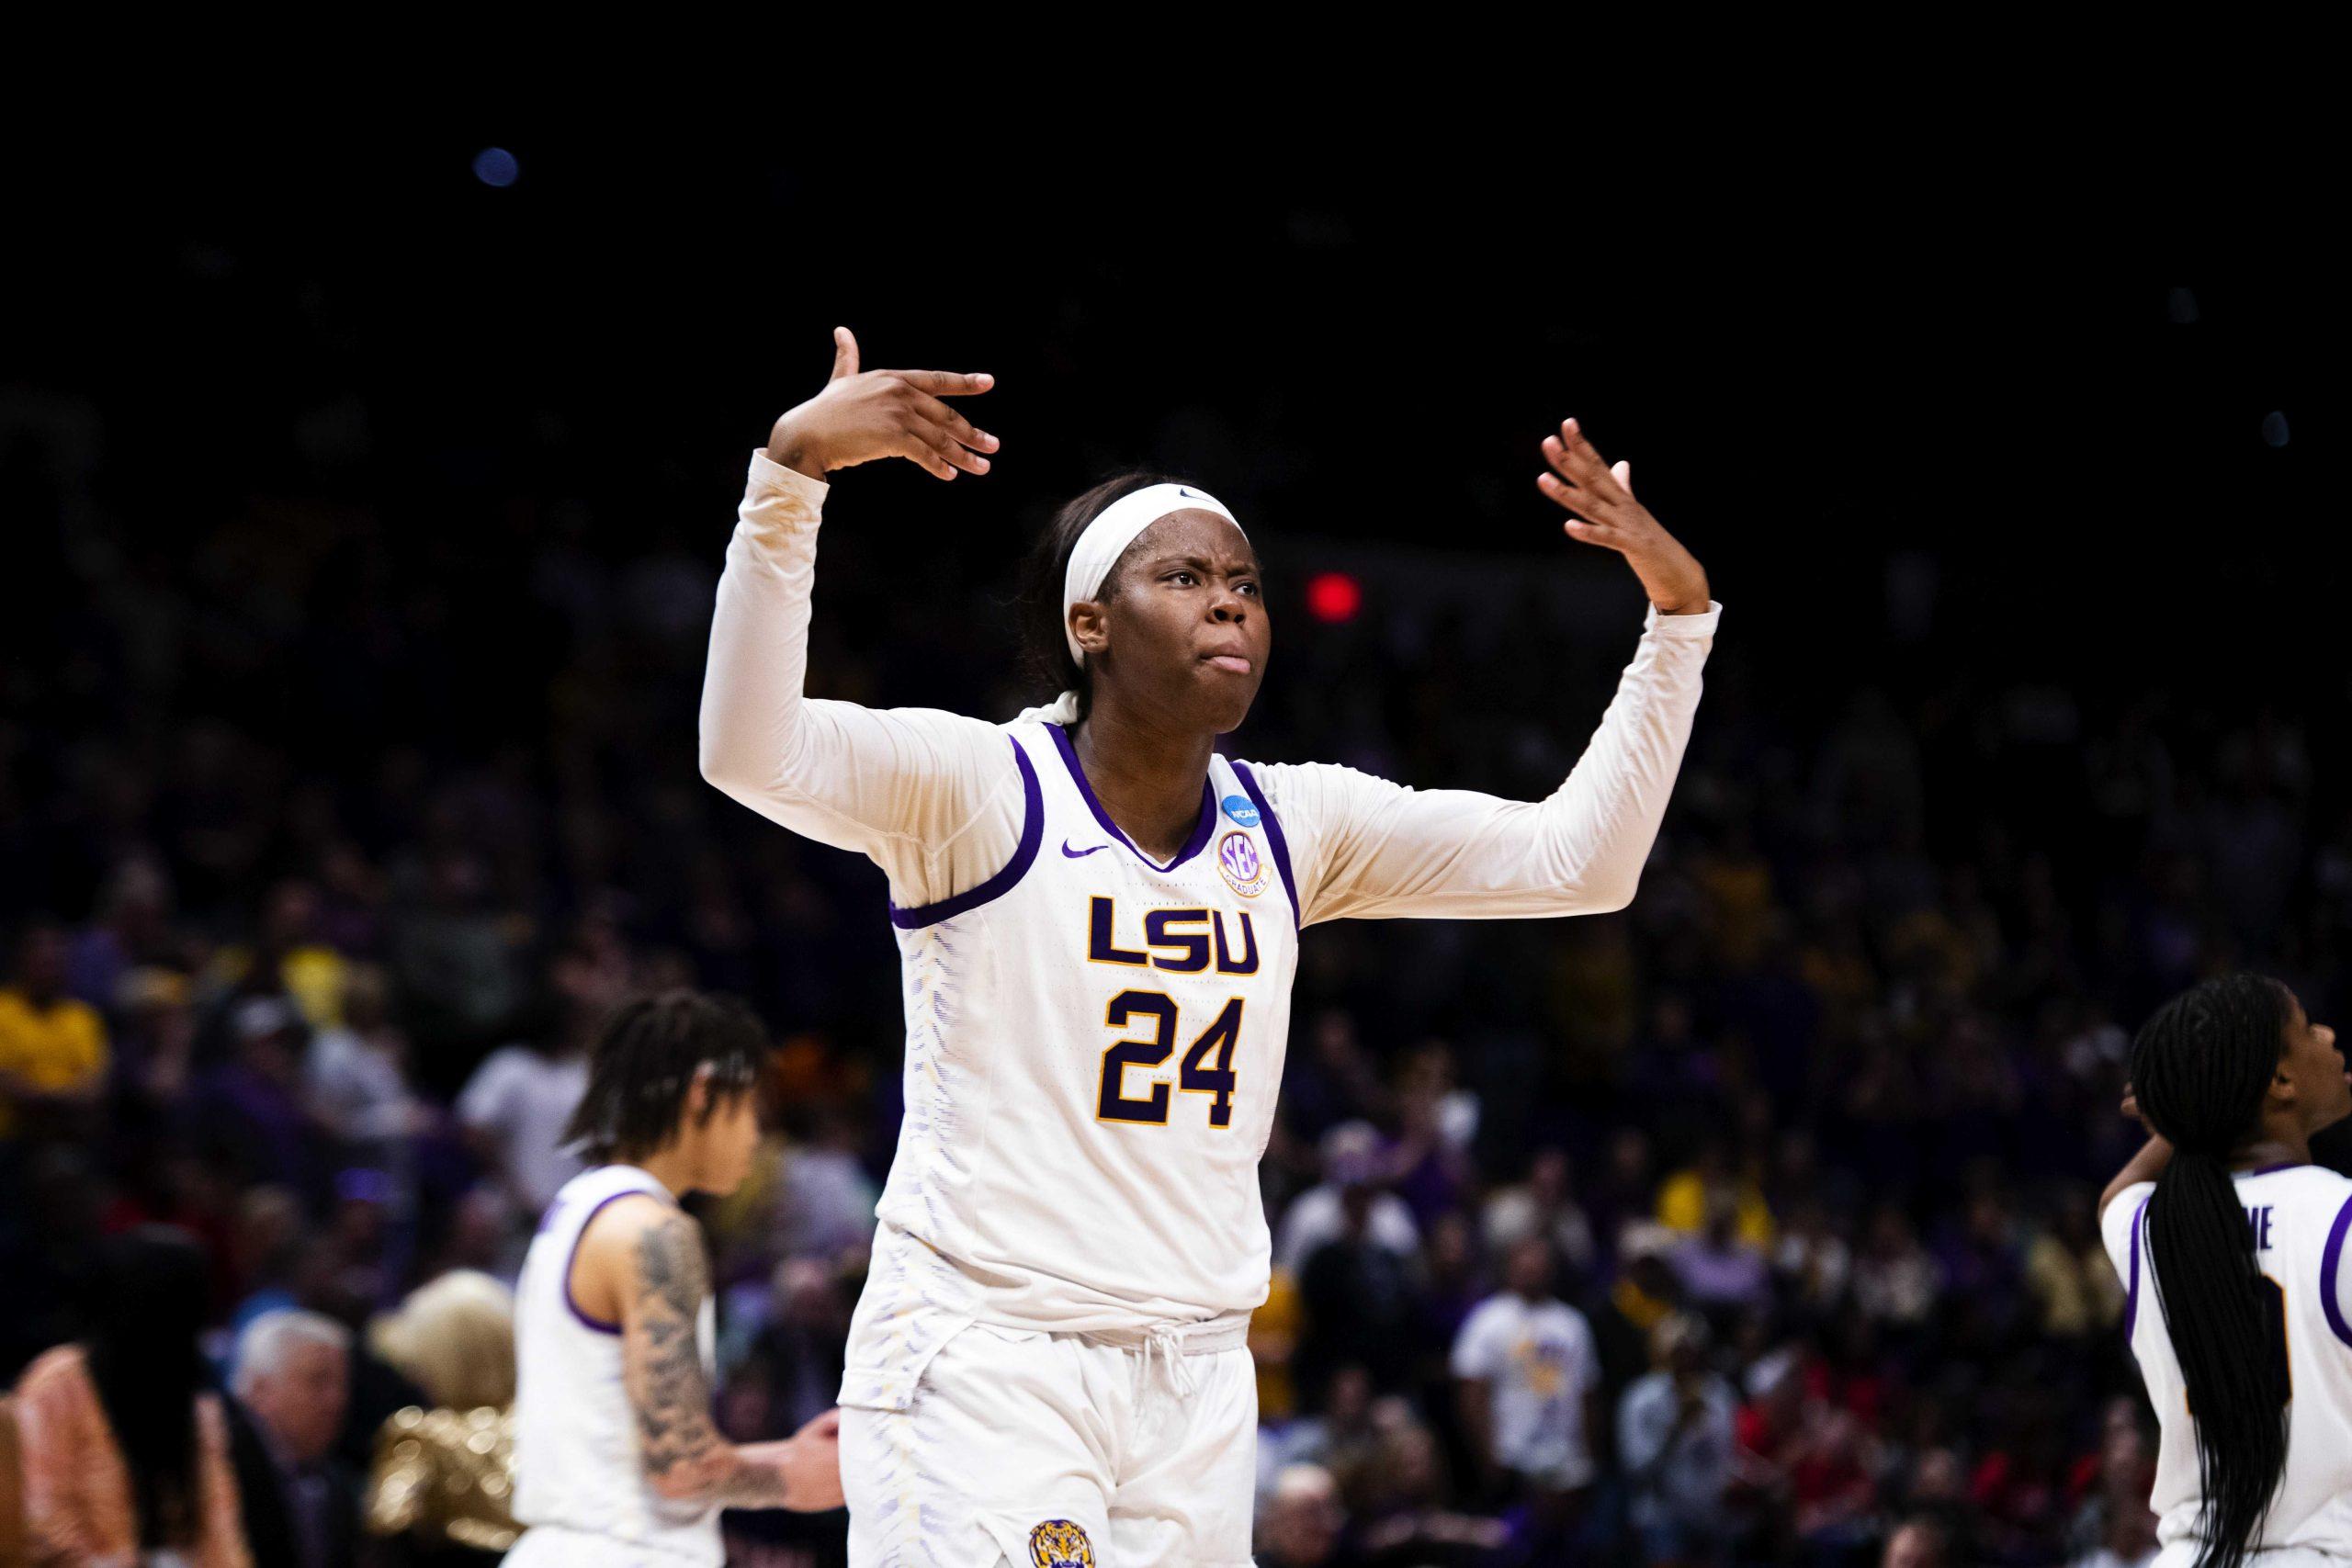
column 652, row 1255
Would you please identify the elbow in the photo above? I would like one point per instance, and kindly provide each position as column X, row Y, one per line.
column 724, row 767
column 679, row 1483
column 718, row 769
column 1608, row 896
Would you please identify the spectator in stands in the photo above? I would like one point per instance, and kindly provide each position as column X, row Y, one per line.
column 518, row 1102
column 1362, row 1299
column 1356, row 1168
column 53, row 1046
column 127, row 1448
column 292, row 1380
column 1676, row 1443
column 1299, row 1526
column 1528, row 1381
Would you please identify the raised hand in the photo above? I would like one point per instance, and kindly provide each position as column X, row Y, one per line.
column 1607, row 514
column 864, row 415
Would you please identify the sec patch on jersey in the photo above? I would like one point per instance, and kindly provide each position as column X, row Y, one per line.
column 1058, row 1543
column 1237, row 860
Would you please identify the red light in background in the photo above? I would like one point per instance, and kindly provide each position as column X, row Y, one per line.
column 1333, row 596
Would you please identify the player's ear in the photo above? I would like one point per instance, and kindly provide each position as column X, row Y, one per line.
column 1090, row 622
column 698, row 1096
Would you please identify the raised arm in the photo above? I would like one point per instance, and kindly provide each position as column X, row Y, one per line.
column 1372, row 847
column 933, row 798
column 654, row 1254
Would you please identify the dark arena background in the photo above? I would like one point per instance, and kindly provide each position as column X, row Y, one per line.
column 363, row 504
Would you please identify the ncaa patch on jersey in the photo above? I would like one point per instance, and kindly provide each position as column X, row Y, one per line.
column 1237, row 807
column 1239, row 863
column 1058, row 1543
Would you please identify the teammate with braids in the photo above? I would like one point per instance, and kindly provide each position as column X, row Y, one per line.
column 616, row 1459
column 2240, row 1239
column 1097, row 917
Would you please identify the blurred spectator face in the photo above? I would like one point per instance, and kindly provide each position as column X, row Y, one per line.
column 1679, row 1343
column 1302, row 1522
column 40, row 964
column 264, row 1030
column 1629, row 1160
column 1412, row 1465
column 302, row 1399
column 590, row 984
column 1350, row 1401
column 270, row 1222
column 1451, row 1254
column 1915, row 1546
column 365, row 1004
column 293, row 911
column 1547, row 1178
column 1938, row 1478
column 1528, row 1271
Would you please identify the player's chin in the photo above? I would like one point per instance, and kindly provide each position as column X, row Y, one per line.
column 1227, row 713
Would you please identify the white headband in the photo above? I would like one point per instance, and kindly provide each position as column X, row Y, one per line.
column 1113, row 529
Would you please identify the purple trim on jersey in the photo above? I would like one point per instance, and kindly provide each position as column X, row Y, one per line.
column 2132, row 1290
column 599, row 1325
column 1274, row 839
column 2274, row 1169
column 1191, row 847
column 2328, row 1259
column 1033, row 833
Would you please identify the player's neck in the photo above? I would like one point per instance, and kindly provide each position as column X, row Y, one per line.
column 1148, row 778
column 671, row 1167
column 2272, row 1147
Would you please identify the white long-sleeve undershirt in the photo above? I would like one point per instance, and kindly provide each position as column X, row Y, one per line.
column 935, row 798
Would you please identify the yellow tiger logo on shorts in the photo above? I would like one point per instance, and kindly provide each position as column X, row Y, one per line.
column 1058, row 1543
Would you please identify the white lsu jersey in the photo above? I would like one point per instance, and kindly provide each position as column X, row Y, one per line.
column 2298, row 1215
column 1094, row 1042
column 579, row 1465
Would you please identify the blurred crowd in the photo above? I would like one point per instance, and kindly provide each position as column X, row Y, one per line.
column 1752, row 1225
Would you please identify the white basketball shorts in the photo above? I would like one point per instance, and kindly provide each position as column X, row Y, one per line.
column 1058, row 1450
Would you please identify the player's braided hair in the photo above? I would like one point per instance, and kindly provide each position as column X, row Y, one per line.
column 645, row 1061
column 2200, row 1068
column 1046, row 649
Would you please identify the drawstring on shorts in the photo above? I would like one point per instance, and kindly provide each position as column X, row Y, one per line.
column 1162, row 1340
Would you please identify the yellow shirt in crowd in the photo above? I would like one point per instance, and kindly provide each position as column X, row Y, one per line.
column 57, row 1049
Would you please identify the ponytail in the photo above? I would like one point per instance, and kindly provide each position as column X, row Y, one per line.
column 2200, row 1068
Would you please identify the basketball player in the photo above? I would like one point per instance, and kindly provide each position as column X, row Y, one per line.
column 1098, row 920
column 615, row 1457
column 2239, row 1238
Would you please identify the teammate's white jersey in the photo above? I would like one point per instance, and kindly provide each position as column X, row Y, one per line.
column 579, row 1465
column 2298, row 1215
column 1095, row 1039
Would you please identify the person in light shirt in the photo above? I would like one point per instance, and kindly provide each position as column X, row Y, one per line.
column 1098, row 915
column 1529, row 1377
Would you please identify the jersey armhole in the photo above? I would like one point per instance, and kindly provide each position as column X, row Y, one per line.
column 571, row 1261
column 2330, row 1262
column 1033, row 833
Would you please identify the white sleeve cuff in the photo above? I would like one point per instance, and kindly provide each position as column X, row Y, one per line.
column 1700, row 625
column 769, row 475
